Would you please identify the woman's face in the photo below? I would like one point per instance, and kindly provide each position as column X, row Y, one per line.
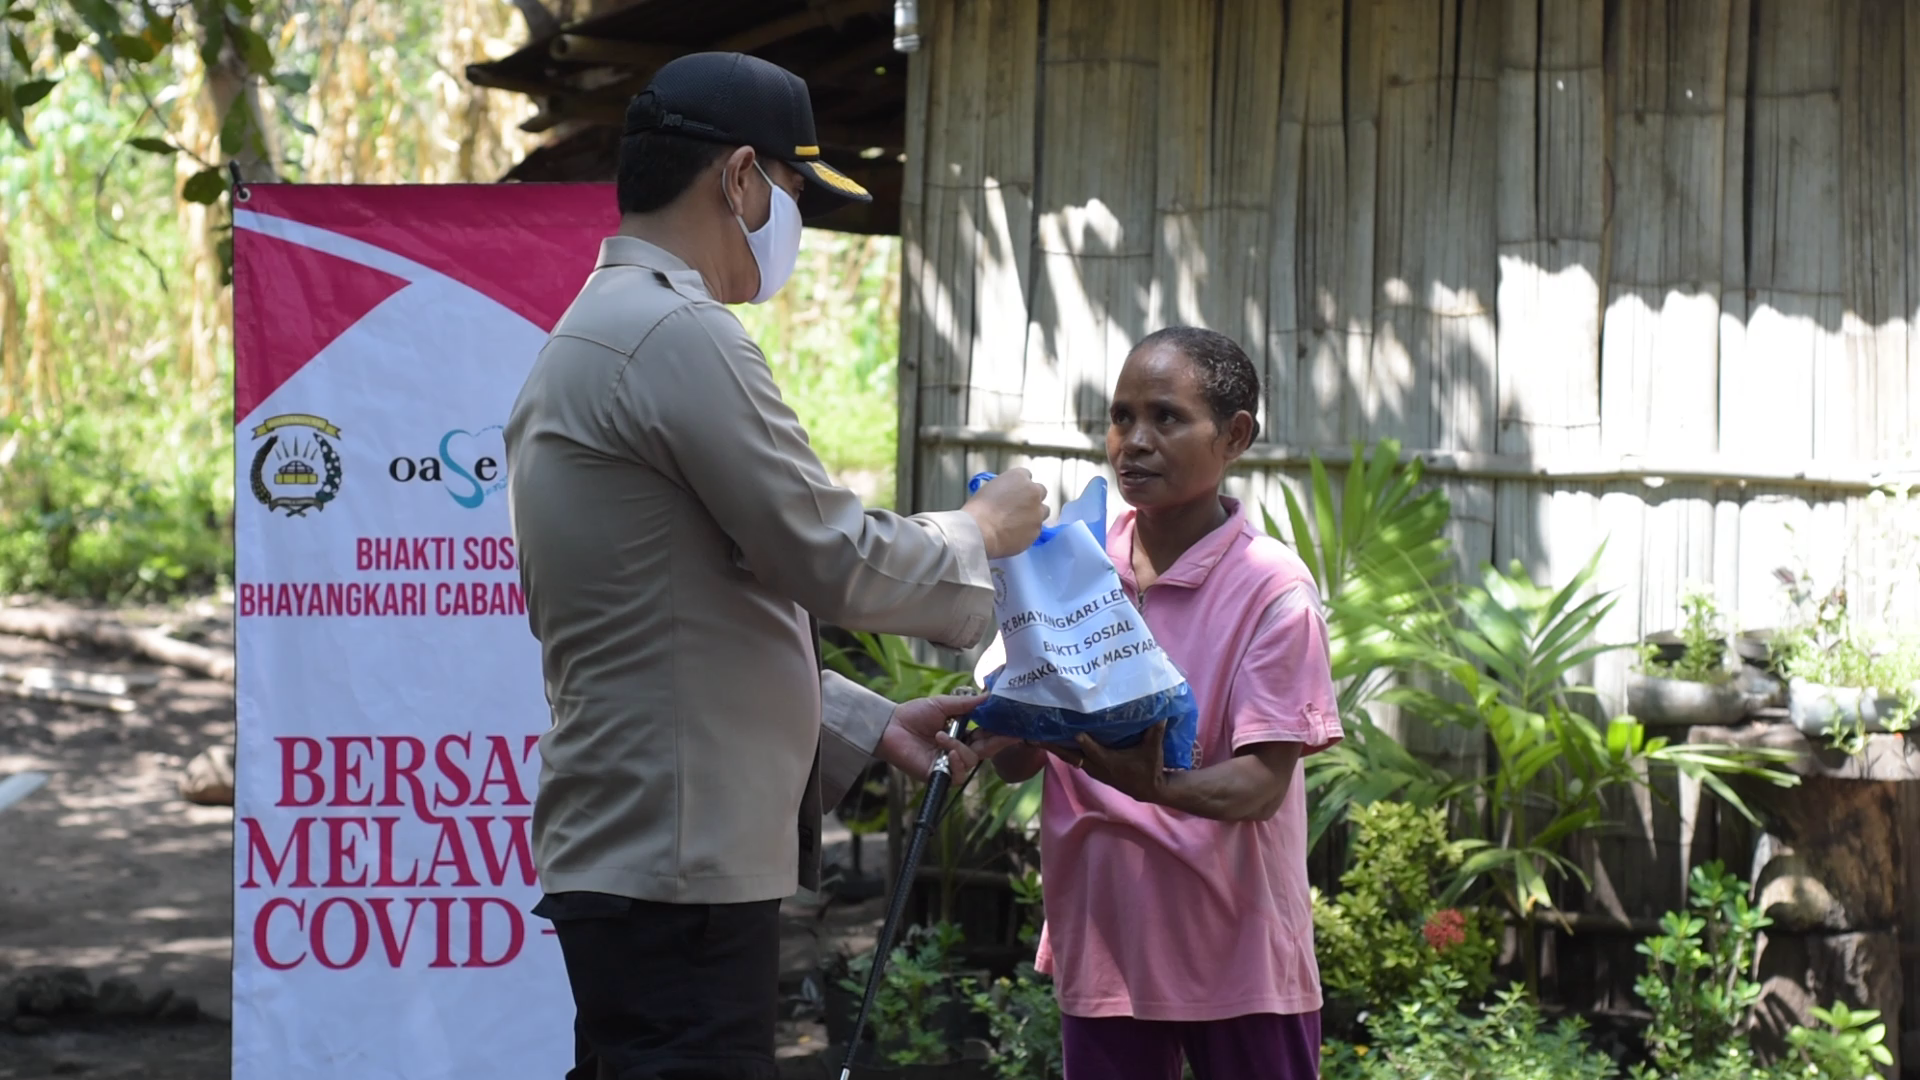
column 1162, row 440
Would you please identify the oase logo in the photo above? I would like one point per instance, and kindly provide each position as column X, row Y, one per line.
column 471, row 466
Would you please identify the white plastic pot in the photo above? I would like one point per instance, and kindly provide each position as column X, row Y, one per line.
column 1816, row 709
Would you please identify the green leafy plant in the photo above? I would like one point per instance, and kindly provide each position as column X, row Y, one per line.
column 1385, row 932
column 1378, row 553
column 896, row 675
column 1734, row 1061
column 1381, row 548
column 1369, row 765
column 1696, row 982
column 1502, row 663
column 973, row 833
column 1028, row 896
column 1827, row 648
column 1429, row 1038
column 1703, row 636
column 1024, row 1018
column 1848, row 1048
column 914, row 991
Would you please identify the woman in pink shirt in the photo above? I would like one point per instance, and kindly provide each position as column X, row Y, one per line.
column 1178, row 923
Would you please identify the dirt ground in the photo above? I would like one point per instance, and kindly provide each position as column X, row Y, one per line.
column 106, row 869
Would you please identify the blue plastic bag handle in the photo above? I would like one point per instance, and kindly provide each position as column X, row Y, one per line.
column 1047, row 532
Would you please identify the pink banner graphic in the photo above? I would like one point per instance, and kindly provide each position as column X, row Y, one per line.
column 390, row 697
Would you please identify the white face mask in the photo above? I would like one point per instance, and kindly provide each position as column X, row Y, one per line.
column 775, row 245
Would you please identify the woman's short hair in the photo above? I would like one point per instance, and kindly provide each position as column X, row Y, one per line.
column 1227, row 376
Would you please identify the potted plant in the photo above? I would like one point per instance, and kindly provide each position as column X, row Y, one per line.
column 921, row 1015
column 1842, row 684
column 980, row 852
column 1689, row 677
column 1023, row 1017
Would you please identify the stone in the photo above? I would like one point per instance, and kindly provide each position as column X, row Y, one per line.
column 118, row 997
column 1799, row 972
column 179, row 1009
column 31, row 1025
column 53, row 992
column 208, row 778
column 1830, row 858
column 158, row 1003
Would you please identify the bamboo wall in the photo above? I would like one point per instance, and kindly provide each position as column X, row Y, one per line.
column 1639, row 270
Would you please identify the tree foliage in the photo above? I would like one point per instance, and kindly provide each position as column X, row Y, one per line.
column 50, row 41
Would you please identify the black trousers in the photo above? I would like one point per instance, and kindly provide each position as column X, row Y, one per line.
column 669, row 991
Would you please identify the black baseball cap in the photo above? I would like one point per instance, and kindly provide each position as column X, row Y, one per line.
column 741, row 100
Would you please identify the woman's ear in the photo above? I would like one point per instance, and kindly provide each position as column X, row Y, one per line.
column 1240, row 433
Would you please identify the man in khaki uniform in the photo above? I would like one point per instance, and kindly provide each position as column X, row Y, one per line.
column 676, row 533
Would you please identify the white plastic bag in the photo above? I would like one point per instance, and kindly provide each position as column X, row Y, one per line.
column 1079, row 656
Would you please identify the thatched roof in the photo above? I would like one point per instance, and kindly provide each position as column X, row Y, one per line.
column 583, row 72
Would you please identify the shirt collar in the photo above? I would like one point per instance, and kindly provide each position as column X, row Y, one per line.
column 1190, row 570
column 624, row 250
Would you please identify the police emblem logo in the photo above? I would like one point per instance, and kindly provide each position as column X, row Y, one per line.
column 999, row 585
column 296, row 468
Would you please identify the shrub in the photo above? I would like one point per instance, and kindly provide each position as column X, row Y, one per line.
column 1429, row 1038
column 909, row 1007
column 1696, row 980
column 1024, row 1017
column 1385, row 931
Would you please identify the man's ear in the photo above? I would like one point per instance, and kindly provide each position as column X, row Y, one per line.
column 735, row 167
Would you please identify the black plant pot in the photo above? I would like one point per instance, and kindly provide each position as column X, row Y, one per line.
column 1668, row 648
column 1756, row 648
column 988, row 917
column 842, row 1008
column 865, row 1069
column 961, row 1070
column 1341, row 1020
column 956, row 1019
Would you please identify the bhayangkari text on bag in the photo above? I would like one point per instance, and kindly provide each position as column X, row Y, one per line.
column 1079, row 656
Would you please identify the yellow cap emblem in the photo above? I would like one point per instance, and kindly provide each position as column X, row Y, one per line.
column 835, row 179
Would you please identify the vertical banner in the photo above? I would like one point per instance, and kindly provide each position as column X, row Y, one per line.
column 389, row 690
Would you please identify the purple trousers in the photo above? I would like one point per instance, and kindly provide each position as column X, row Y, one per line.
column 1259, row 1047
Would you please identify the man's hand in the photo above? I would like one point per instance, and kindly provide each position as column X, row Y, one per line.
column 1010, row 509
column 1138, row 772
column 916, row 736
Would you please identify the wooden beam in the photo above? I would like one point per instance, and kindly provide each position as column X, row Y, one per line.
column 114, row 683
column 107, row 633
column 19, row 786
column 540, row 21
column 579, row 49
column 1585, row 469
column 481, row 75
column 602, row 107
column 86, row 698
column 830, row 14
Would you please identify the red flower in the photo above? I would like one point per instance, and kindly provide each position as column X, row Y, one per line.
column 1445, row 929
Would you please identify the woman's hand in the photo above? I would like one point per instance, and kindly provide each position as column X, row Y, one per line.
column 1138, row 772
column 1020, row 762
column 1249, row 786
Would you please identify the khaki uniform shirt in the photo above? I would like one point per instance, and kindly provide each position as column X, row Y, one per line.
column 674, row 530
